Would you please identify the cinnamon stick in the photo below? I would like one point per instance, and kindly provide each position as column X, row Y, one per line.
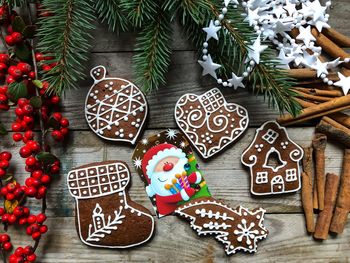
column 320, row 92
column 330, row 47
column 306, row 199
column 302, row 73
column 337, row 37
column 325, row 217
column 334, row 130
column 302, row 94
column 343, row 202
column 307, row 166
column 319, row 144
column 325, row 108
column 304, row 103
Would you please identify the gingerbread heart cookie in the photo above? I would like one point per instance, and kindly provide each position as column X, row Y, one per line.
column 115, row 108
column 105, row 215
column 274, row 161
column 209, row 122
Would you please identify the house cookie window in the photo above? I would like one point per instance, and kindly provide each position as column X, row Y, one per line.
column 291, row 175
column 261, row 178
column 270, row 136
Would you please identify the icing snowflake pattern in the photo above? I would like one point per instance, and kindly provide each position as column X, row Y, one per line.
column 238, row 229
column 209, row 122
column 115, row 108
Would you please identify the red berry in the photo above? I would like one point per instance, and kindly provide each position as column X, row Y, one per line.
column 45, row 179
column 17, row 137
column 19, row 112
column 18, row 211
column 2, row 172
column 37, row 174
column 29, row 135
column 16, row 127
column 33, row 145
column 42, row 191
column 32, row 257
column 40, row 218
column 18, row 192
column 10, row 79
column 12, row 219
column 4, row 164
column 31, row 219
column 24, row 67
column 4, row 58
column 32, row 75
column 57, row 135
column 17, row 37
column 11, row 187
column 22, row 102
column 55, row 169
column 31, row 191
column 10, row 196
column 30, row 161
column 6, row 156
column 28, row 109
column 25, row 152
column 39, row 56
column 36, row 235
column 28, row 250
column 64, row 131
column 55, row 99
column 9, row 40
column 46, row 67
column 3, row 89
column 43, row 229
column 19, row 251
column 57, row 116
column 5, row 217
column 2, row 211
column 13, row 259
column 4, row 191
column 4, row 238
column 3, row 66
column 15, row 72
column 64, row 123
column 7, row 246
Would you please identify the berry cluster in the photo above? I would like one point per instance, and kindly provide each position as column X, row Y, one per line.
column 36, row 107
column 21, row 254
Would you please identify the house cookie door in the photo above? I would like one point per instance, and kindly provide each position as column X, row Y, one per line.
column 277, row 184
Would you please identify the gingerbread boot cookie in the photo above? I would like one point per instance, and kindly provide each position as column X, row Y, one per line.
column 105, row 215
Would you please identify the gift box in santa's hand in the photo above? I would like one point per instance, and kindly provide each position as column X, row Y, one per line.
column 168, row 167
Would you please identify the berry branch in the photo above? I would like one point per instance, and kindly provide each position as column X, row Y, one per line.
column 33, row 106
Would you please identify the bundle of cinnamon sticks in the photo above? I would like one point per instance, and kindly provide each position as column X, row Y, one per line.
column 320, row 192
column 316, row 97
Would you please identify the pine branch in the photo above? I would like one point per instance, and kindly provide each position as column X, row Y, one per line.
column 109, row 11
column 232, row 49
column 153, row 51
column 15, row 3
column 65, row 36
column 139, row 11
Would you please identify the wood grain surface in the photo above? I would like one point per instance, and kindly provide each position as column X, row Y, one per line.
column 228, row 179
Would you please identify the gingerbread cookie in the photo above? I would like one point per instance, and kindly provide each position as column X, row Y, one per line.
column 209, row 122
column 238, row 229
column 168, row 167
column 274, row 161
column 115, row 108
column 105, row 215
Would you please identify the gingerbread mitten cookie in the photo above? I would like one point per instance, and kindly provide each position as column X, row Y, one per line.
column 115, row 108
column 209, row 122
column 105, row 215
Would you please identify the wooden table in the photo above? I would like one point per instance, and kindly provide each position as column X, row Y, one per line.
column 228, row 179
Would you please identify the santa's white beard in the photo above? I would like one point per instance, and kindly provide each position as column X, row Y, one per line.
column 160, row 179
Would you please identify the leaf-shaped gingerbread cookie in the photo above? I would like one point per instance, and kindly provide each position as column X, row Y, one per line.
column 115, row 108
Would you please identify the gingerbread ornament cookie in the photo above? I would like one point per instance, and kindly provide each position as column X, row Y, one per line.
column 115, row 108
column 274, row 161
column 209, row 122
column 238, row 229
column 105, row 215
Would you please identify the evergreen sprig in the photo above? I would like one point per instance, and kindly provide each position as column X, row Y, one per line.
column 153, row 49
column 65, row 36
column 111, row 12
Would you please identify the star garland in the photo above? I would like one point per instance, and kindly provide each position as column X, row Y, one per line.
column 210, row 67
column 275, row 19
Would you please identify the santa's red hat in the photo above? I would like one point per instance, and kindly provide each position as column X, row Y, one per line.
column 157, row 153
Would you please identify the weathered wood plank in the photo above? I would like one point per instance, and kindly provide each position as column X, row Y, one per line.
column 175, row 241
column 227, row 178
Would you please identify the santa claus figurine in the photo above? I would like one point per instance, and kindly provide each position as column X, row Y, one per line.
column 164, row 167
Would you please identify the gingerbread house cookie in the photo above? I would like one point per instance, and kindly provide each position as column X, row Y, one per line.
column 105, row 215
column 115, row 108
column 209, row 122
column 274, row 161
